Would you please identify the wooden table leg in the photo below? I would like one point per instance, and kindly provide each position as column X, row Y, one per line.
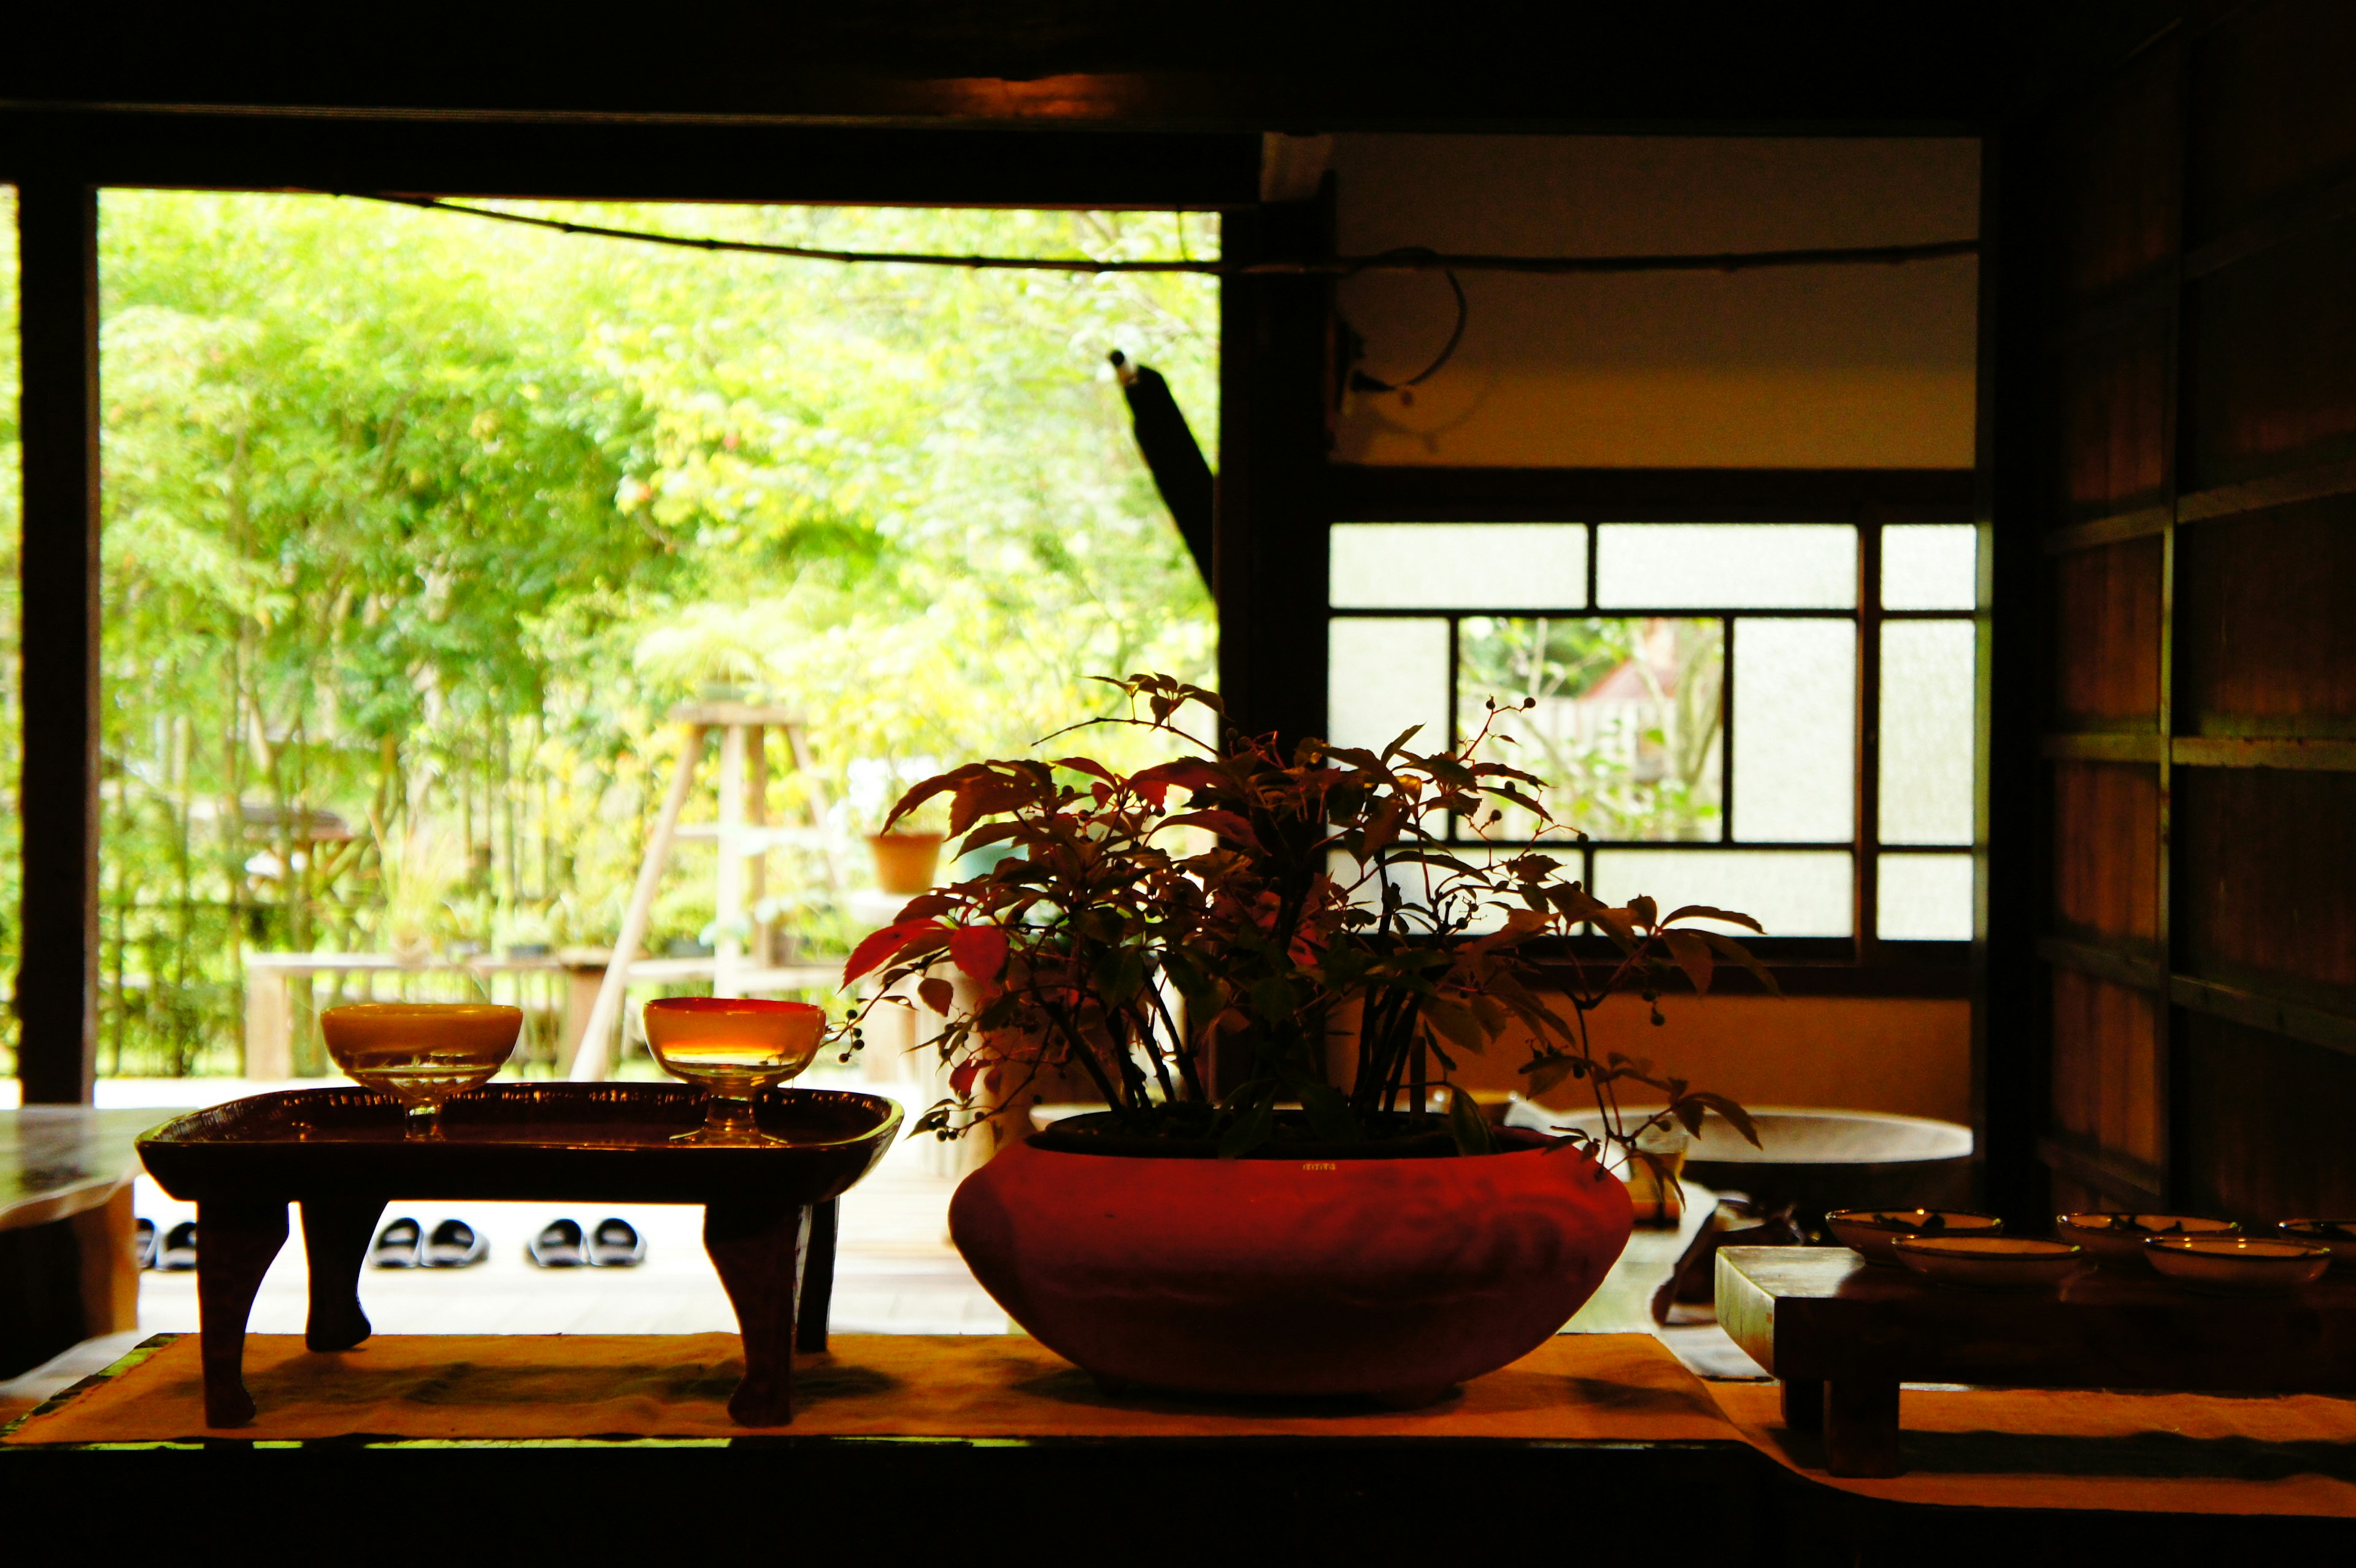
column 818, row 1278
column 1804, row 1404
column 235, row 1244
column 757, row 1248
column 336, row 1236
column 1862, row 1427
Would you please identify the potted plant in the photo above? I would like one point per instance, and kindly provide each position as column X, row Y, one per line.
column 1264, row 964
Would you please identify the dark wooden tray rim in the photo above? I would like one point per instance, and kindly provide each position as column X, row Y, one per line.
column 525, row 1141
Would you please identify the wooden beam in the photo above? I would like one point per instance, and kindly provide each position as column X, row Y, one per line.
column 1363, row 493
column 1268, row 537
column 57, row 974
column 2012, row 1013
column 493, row 155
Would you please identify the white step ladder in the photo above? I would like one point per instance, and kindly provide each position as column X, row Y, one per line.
column 744, row 838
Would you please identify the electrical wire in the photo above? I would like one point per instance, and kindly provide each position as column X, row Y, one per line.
column 1410, row 259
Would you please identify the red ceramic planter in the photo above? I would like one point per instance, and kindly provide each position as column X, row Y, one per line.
column 1397, row 1278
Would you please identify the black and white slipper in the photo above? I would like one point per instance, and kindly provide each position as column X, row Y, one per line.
column 143, row 1243
column 615, row 1244
column 178, row 1253
column 454, row 1245
column 558, row 1245
column 396, row 1245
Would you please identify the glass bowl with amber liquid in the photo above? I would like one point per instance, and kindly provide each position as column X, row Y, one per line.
column 421, row 1053
column 732, row 1048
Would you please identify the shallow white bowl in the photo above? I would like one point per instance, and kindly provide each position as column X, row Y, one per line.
column 2238, row 1265
column 2337, row 1236
column 2116, row 1241
column 1870, row 1231
column 1991, row 1263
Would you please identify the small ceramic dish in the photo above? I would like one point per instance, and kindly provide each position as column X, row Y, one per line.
column 2337, row 1236
column 1870, row 1232
column 1991, row 1263
column 2238, row 1265
column 2116, row 1241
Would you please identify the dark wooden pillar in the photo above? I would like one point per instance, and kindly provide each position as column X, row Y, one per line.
column 2012, row 1008
column 1268, row 555
column 57, row 974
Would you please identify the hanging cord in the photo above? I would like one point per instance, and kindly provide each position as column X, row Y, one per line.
column 1362, row 382
column 1407, row 259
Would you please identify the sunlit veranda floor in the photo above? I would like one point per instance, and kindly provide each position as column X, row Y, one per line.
column 897, row 1272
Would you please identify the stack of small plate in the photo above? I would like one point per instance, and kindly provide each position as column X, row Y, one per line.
column 2116, row 1240
column 1873, row 1233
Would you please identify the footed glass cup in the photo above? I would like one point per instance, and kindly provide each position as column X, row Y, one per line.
column 732, row 1048
column 421, row 1053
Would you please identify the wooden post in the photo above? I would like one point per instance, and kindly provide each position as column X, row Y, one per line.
column 589, row 1062
column 727, row 946
column 269, row 1023
column 1270, row 527
column 757, row 814
column 57, row 973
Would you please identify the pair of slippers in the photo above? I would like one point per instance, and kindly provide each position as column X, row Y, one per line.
column 175, row 1250
column 614, row 1244
column 404, row 1244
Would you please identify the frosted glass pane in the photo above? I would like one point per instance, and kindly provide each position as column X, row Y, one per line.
column 1383, row 676
column 1926, row 731
column 1626, row 730
column 1929, row 566
column 1458, row 565
column 1730, row 566
column 1795, row 730
column 1925, row 898
column 1791, row 892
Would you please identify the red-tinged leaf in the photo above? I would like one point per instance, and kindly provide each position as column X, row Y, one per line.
column 1398, row 747
column 1734, row 952
column 936, row 994
column 922, row 907
column 1187, row 772
column 1615, row 925
column 1643, row 912
column 1089, row 766
column 962, row 1075
column 1226, row 825
column 878, row 946
column 1736, row 1116
column 1548, row 1070
column 1693, row 957
column 986, row 794
column 980, row 951
column 1456, row 1023
column 1703, row 911
column 920, row 793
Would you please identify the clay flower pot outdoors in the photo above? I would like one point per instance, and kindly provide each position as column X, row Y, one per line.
column 904, row 862
column 1396, row 1277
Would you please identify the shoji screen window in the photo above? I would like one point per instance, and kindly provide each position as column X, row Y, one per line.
column 1699, row 691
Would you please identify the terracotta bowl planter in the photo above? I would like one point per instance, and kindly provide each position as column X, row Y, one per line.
column 904, row 862
column 1392, row 1278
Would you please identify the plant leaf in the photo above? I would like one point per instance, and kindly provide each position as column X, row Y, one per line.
column 1457, row 1023
column 1466, row 1122
column 1330, row 1116
column 1688, row 948
column 980, row 951
column 1736, row 1116
column 936, row 994
column 1250, row 1129
column 1703, row 911
column 879, row 945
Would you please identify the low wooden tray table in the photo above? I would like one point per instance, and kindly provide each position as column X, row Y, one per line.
column 769, row 1209
column 1841, row 1335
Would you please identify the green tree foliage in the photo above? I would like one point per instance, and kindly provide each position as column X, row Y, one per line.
column 426, row 522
